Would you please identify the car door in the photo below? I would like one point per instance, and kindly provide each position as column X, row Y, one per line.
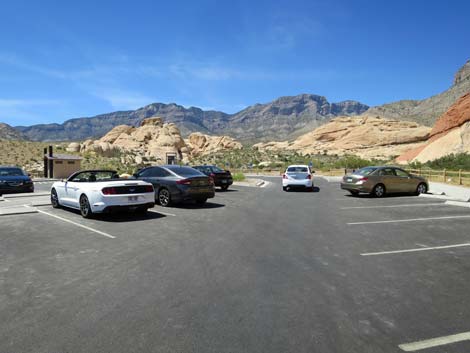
column 153, row 175
column 404, row 181
column 388, row 178
column 70, row 193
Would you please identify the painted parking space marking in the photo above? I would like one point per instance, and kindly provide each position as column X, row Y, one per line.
column 163, row 213
column 416, row 249
column 403, row 205
column 409, row 220
column 77, row 224
column 435, row 342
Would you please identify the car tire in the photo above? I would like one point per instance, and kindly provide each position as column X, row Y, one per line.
column 422, row 188
column 164, row 197
column 354, row 192
column 85, row 208
column 224, row 187
column 284, row 188
column 54, row 199
column 378, row 191
column 201, row 201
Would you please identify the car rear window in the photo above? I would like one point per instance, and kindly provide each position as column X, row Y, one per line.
column 11, row 172
column 365, row 171
column 297, row 170
column 185, row 171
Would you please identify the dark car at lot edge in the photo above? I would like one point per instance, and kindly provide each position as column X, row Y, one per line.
column 222, row 178
column 379, row 181
column 174, row 184
column 14, row 180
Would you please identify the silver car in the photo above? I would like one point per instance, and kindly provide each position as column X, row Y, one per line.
column 379, row 181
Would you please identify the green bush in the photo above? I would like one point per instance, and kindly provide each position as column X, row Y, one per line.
column 238, row 177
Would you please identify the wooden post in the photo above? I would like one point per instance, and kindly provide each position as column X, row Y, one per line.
column 444, row 175
column 460, row 176
column 420, row 172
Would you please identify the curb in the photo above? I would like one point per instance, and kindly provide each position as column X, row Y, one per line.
column 458, row 203
column 17, row 211
column 30, row 194
column 443, row 197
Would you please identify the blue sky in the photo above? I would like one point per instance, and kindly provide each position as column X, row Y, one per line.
column 68, row 59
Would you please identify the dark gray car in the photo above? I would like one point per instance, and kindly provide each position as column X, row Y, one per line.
column 174, row 184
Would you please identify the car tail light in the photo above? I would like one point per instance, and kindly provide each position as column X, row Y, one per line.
column 109, row 191
column 183, row 182
column 211, row 181
column 149, row 188
column 284, row 176
column 309, row 177
column 364, row 179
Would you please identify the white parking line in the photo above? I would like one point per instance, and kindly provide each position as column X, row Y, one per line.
column 415, row 249
column 435, row 342
column 163, row 213
column 77, row 224
column 404, row 205
column 407, row 220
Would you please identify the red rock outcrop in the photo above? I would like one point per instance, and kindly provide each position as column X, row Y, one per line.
column 450, row 134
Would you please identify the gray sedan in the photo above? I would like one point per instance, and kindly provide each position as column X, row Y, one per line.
column 174, row 184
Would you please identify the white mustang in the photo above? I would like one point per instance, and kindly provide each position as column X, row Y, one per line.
column 99, row 191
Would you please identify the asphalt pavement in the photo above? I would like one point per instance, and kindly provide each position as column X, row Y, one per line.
column 255, row 270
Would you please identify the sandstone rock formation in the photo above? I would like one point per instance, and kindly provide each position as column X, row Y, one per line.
column 450, row 134
column 201, row 144
column 153, row 140
column 367, row 137
column 73, row 147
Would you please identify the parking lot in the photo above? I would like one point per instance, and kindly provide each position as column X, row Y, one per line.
column 254, row 270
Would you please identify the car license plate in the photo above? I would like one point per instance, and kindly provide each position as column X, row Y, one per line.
column 224, row 181
column 132, row 198
column 349, row 180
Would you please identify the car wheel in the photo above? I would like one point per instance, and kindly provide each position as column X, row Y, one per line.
column 85, row 208
column 201, row 201
column 224, row 187
column 54, row 199
column 164, row 197
column 354, row 192
column 379, row 190
column 421, row 189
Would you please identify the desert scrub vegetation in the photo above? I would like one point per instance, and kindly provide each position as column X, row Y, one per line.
column 239, row 176
column 460, row 161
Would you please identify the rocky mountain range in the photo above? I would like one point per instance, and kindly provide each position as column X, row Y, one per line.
column 9, row 133
column 284, row 117
column 427, row 111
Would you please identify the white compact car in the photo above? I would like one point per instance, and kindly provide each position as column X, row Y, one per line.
column 297, row 176
column 100, row 191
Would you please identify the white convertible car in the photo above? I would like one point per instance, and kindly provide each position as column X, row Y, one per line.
column 100, row 191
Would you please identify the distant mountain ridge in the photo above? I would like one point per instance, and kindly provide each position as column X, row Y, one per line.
column 9, row 133
column 427, row 111
column 284, row 117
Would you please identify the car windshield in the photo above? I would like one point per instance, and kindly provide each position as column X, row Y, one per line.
column 184, row 171
column 95, row 176
column 297, row 170
column 365, row 171
column 11, row 172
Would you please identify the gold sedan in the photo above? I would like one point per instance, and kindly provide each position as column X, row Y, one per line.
column 379, row 181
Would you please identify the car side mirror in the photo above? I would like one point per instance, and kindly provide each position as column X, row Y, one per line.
column 135, row 175
column 29, row 174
